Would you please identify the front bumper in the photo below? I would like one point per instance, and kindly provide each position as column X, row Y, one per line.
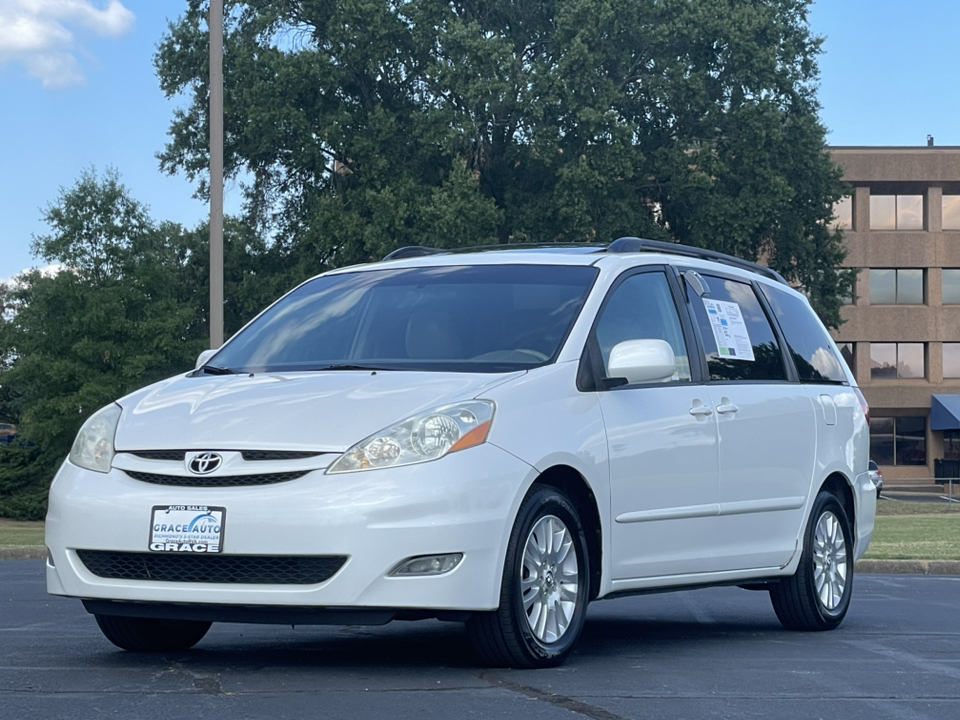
column 463, row 503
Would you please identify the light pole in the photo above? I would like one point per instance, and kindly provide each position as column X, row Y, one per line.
column 216, row 173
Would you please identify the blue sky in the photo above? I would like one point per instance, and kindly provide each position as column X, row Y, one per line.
column 78, row 90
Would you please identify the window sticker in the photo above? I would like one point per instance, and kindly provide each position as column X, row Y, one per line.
column 729, row 330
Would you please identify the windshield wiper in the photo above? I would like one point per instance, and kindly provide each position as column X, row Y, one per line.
column 347, row 366
column 216, row 370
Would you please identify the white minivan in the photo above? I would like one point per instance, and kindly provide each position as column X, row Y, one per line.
column 493, row 437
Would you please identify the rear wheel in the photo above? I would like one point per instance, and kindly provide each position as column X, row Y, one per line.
column 151, row 635
column 545, row 587
column 818, row 595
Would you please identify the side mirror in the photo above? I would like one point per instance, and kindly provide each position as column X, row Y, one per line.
column 204, row 356
column 642, row 361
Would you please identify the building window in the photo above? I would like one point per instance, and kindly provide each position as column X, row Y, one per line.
column 951, row 360
column 951, row 445
column 896, row 287
column 951, row 287
column 847, row 352
column 896, row 360
column 896, row 212
column 898, row 441
column 951, row 212
column 843, row 214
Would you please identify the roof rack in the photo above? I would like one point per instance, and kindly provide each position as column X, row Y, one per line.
column 420, row 250
column 635, row 244
column 414, row 251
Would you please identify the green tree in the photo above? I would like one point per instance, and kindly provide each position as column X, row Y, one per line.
column 364, row 125
column 125, row 305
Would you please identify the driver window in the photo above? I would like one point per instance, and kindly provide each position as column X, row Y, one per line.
column 642, row 308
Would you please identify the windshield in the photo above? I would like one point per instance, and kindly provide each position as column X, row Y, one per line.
column 487, row 318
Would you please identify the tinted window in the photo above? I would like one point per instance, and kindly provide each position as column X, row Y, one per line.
column 642, row 308
column 898, row 441
column 807, row 339
column 492, row 318
column 738, row 340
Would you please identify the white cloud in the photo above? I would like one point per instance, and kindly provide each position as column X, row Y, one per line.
column 41, row 35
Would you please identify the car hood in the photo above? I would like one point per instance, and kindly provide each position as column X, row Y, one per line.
column 321, row 411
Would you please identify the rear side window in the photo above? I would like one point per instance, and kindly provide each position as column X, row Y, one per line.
column 807, row 339
column 738, row 340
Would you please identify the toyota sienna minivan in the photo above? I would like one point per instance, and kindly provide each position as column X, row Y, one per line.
column 496, row 438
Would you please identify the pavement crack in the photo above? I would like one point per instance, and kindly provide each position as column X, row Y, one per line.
column 561, row 701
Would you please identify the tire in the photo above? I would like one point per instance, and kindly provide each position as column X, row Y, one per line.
column 818, row 595
column 545, row 587
column 150, row 635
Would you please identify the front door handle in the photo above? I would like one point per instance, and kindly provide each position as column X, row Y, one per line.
column 726, row 407
column 700, row 410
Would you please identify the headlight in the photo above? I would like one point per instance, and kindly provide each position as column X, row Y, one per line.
column 425, row 437
column 93, row 449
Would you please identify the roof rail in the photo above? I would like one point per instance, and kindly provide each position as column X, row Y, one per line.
column 635, row 244
column 413, row 251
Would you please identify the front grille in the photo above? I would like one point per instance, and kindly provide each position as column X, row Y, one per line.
column 160, row 454
column 240, row 569
column 248, row 455
column 255, row 455
column 215, row 480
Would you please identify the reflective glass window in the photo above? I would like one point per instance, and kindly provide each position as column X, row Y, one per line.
column 909, row 212
column 883, row 212
column 897, row 360
column 902, row 287
column 881, row 441
column 910, row 439
column 898, row 441
column 807, row 339
column 896, row 212
column 910, row 287
column 951, row 212
column 883, row 287
column 951, row 360
column 883, row 360
column 910, row 361
column 738, row 340
column 843, row 214
column 951, row 287
column 951, row 445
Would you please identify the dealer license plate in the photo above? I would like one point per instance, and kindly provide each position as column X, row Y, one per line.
column 187, row 528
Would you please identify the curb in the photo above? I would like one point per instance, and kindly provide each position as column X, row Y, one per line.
column 866, row 567
column 908, row 567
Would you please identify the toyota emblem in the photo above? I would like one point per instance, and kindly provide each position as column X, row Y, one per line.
column 204, row 463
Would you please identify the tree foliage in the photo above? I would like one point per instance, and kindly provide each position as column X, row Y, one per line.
column 364, row 125
column 125, row 306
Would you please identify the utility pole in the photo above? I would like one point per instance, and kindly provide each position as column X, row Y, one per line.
column 216, row 173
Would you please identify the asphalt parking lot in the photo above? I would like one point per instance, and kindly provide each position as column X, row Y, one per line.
column 716, row 653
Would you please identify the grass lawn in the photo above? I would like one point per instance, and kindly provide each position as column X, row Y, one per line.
column 916, row 531
column 17, row 533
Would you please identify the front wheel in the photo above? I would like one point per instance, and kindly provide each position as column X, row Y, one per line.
column 818, row 594
column 544, row 590
column 151, row 635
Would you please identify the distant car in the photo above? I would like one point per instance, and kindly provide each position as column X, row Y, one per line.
column 876, row 476
column 8, row 433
